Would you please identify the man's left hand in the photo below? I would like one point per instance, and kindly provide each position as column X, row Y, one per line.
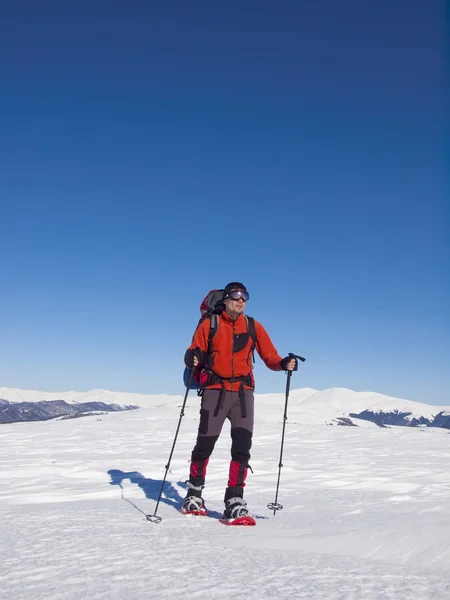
column 289, row 364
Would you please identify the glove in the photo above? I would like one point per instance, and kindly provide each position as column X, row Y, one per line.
column 286, row 361
column 189, row 357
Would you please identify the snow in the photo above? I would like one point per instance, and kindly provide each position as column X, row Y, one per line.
column 366, row 510
column 107, row 396
column 308, row 406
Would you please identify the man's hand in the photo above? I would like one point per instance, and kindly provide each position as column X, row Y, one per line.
column 191, row 358
column 289, row 364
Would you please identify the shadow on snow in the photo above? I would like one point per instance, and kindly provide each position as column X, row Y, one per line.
column 151, row 489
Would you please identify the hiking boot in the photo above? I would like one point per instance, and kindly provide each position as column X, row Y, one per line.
column 235, row 508
column 193, row 503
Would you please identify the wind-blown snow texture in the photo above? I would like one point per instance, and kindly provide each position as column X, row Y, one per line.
column 366, row 511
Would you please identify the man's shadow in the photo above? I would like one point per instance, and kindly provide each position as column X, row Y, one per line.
column 151, row 488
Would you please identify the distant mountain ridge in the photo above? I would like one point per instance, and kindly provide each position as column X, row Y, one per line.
column 13, row 412
column 335, row 406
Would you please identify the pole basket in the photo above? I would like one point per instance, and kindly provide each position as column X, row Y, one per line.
column 153, row 518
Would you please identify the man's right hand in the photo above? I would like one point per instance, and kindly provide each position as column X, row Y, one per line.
column 191, row 358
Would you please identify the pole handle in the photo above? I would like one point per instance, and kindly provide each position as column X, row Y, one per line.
column 292, row 355
column 297, row 356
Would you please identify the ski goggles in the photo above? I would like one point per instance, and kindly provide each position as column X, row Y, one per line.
column 238, row 295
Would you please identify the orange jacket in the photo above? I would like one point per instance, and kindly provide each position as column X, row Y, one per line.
column 227, row 363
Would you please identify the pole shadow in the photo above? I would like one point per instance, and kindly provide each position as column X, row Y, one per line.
column 151, row 488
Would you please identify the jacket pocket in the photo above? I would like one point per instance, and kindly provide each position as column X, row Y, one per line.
column 240, row 341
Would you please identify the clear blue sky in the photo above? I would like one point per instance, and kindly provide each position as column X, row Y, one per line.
column 151, row 151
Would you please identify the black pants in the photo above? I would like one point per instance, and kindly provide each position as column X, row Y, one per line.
column 212, row 418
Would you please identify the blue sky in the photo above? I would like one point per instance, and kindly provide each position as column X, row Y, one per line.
column 152, row 151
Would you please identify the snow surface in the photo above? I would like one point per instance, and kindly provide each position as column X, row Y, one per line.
column 366, row 510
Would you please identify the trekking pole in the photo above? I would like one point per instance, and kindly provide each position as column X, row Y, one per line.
column 154, row 518
column 274, row 505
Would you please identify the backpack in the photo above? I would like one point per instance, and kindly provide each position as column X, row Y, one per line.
column 211, row 308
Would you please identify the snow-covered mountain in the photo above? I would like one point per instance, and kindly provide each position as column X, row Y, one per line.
column 335, row 406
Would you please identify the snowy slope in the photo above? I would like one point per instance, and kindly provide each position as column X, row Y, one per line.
column 106, row 396
column 328, row 405
column 365, row 515
column 306, row 404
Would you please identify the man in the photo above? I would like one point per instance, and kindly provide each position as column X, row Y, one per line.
column 228, row 393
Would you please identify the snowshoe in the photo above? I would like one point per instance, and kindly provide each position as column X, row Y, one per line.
column 246, row 521
column 236, row 512
column 193, row 505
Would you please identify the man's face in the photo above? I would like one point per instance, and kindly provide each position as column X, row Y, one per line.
column 235, row 307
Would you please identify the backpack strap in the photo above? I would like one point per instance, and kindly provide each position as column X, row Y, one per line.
column 252, row 333
column 251, row 328
column 213, row 329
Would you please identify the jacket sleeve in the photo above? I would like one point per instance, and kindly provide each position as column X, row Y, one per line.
column 200, row 339
column 266, row 349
